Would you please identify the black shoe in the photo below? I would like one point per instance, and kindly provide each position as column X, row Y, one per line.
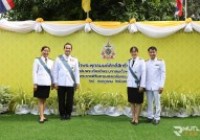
column 41, row 121
column 68, row 117
column 136, row 123
column 132, row 122
column 149, row 120
column 62, row 117
column 156, row 122
column 45, row 119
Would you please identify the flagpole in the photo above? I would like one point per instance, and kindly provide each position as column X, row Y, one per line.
column 186, row 13
column 88, row 15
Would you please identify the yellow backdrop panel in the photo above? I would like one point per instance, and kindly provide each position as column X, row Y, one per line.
column 180, row 52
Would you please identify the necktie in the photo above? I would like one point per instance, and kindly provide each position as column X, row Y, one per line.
column 133, row 63
column 46, row 60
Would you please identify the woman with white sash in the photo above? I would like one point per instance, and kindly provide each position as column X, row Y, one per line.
column 42, row 80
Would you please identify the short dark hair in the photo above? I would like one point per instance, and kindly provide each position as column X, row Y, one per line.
column 67, row 44
column 133, row 48
column 152, row 48
column 44, row 47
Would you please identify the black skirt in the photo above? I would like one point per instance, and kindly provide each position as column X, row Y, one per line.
column 134, row 96
column 42, row 92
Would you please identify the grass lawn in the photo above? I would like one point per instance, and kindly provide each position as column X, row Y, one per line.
column 26, row 127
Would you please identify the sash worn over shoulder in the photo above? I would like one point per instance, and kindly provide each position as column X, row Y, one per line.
column 137, row 80
column 46, row 68
column 68, row 68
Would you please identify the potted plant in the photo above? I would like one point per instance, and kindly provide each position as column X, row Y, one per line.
column 83, row 102
column 5, row 98
column 20, row 103
column 114, row 103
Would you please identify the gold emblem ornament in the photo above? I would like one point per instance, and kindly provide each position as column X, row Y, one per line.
column 108, row 51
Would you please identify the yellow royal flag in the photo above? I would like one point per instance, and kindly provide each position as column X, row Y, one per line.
column 86, row 5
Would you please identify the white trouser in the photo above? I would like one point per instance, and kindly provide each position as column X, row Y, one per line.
column 151, row 97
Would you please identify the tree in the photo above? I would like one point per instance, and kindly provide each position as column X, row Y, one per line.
column 194, row 9
column 47, row 9
column 102, row 10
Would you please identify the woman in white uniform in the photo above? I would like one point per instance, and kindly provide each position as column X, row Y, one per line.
column 42, row 80
column 135, row 83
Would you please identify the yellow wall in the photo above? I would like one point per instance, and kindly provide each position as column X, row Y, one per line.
column 180, row 52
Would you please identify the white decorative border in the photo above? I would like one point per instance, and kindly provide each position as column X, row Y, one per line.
column 64, row 29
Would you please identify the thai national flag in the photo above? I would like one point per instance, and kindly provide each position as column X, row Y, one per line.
column 6, row 5
column 179, row 8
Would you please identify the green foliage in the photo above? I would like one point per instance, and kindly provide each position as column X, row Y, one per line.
column 194, row 9
column 47, row 9
column 159, row 10
column 104, row 10
column 113, row 99
column 20, row 98
column 5, row 95
column 171, row 102
column 84, row 101
column 179, row 102
column 52, row 104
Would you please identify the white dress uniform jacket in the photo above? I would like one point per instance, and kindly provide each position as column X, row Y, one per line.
column 139, row 70
column 156, row 73
column 62, row 76
column 40, row 75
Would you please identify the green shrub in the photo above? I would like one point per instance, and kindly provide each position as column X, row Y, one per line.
column 5, row 95
column 20, row 98
column 5, row 98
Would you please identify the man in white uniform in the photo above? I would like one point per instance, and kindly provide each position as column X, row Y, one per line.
column 66, row 80
column 155, row 80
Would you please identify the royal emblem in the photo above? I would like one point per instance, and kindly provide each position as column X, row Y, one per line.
column 108, row 51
